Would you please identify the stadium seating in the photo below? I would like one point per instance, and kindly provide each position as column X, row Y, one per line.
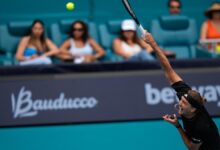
column 108, row 32
column 59, row 32
column 58, row 19
column 178, row 34
column 10, row 34
column 180, row 37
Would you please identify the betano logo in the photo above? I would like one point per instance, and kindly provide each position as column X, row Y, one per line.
column 167, row 95
column 25, row 106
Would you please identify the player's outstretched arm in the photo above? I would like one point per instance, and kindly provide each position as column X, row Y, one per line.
column 171, row 75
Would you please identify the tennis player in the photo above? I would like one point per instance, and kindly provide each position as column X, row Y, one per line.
column 199, row 131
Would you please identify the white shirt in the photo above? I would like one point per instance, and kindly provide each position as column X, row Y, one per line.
column 86, row 50
column 80, row 52
column 130, row 50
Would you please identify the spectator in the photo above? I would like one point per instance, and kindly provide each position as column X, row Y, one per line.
column 80, row 47
column 174, row 7
column 129, row 46
column 36, row 48
column 211, row 27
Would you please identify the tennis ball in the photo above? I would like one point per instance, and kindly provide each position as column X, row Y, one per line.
column 70, row 6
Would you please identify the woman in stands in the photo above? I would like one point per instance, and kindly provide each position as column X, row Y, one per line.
column 211, row 28
column 80, row 47
column 129, row 46
column 35, row 48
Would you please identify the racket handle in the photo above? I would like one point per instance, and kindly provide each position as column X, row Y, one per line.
column 142, row 29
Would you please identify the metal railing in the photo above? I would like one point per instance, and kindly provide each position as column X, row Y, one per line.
column 213, row 45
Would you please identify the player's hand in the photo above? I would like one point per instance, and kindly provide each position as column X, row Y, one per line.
column 172, row 119
column 148, row 38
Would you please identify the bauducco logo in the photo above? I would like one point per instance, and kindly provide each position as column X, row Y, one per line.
column 24, row 106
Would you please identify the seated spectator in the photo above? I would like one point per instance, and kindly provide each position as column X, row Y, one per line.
column 80, row 47
column 174, row 7
column 211, row 27
column 129, row 46
column 36, row 48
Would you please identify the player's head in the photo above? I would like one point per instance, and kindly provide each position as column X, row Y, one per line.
column 174, row 6
column 128, row 30
column 37, row 29
column 214, row 11
column 79, row 30
column 190, row 102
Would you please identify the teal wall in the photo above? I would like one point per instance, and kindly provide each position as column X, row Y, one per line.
column 97, row 10
column 153, row 135
column 47, row 10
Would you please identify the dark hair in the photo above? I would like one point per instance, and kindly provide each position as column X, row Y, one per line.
column 85, row 28
column 135, row 38
column 170, row 1
column 210, row 14
column 197, row 97
column 194, row 98
column 43, row 36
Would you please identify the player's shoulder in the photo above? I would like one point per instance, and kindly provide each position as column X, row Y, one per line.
column 180, row 85
column 181, row 82
column 204, row 121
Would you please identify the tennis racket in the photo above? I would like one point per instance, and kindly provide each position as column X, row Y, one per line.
column 132, row 14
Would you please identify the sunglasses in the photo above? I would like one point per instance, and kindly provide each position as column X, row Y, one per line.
column 128, row 31
column 175, row 7
column 78, row 29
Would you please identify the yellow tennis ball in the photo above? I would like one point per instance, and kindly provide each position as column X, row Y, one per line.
column 70, row 6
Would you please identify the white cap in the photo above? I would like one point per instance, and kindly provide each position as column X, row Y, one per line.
column 128, row 25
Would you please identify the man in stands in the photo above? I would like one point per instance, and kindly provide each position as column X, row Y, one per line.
column 174, row 7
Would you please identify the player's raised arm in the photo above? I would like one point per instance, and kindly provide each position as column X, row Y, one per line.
column 171, row 75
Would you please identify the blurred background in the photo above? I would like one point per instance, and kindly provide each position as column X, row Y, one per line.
column 108, row 127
